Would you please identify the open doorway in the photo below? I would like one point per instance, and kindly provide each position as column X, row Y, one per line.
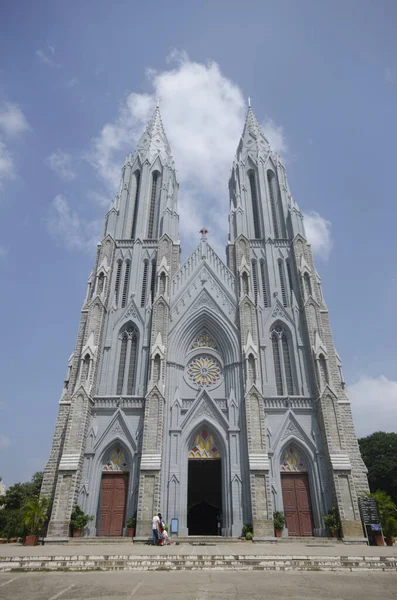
column 204, row 496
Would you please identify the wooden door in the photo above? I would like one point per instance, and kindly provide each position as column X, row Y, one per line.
column 297, row 506
column 113, row 503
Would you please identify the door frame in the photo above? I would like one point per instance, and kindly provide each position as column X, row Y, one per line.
column 296, row 474
column 192, row 460
column 125, row 475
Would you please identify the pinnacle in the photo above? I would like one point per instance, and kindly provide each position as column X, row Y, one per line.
column 252, row 125
column 154, row 138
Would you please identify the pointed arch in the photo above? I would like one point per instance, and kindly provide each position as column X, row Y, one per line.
column 254, row 203
column 117, row 281
column 282, row 281
column 283, row 359
column 255, row 280
column 265, row 286
column 126, row 285
column 137, row 176
column 144, row 282
column 154, row 205
column 101, row 283
column 128, row 352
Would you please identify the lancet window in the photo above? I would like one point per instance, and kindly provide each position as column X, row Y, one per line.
column 137, row 176
column 282, row 361
column 255, row 205
column 126, row 377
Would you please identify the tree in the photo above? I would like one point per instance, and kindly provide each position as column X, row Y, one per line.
column 387, row 512
column 379, row 452
column 11, row 519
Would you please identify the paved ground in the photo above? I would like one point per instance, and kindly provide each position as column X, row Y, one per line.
column 232, row 585
column 245, row 548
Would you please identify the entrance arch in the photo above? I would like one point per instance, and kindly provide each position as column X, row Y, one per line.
column 296, row 491
column 113, row 494
column 204, row 497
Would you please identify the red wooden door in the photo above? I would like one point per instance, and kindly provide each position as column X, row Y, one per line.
column 113, row 503
column 297, row 507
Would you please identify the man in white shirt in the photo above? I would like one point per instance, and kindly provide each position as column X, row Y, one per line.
column 155, row 520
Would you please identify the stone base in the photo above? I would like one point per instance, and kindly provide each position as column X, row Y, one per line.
column 56, row 540
column 264, row 539
column 352, row 530
column 263, row 528
column 348, row 540
column 58, row 529
column 144, row 529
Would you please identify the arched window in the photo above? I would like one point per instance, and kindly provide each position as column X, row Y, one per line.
column 244, row 282
column 144, row 282
column 101, row 281
column 163, row 282
column 289, row 273
column 277, row 365
column 323, row 369
column 264, row 284
column 251, row 369
column 117, row 284
column 282, row 361
column 153, row 280
column 137, row 176
column 255, row 207
column 271, row 180
column 85, row 369
column 308, row 286
column 152, row 211
column 128, row 354
column 156, row 369
column 255, row 280
column 126, row 284
column 282, row 282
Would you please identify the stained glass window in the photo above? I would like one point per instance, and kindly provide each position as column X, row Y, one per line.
column 204, row 446
column 292, row 460
column 204, row 371
column 204, row 340
column 116, row 461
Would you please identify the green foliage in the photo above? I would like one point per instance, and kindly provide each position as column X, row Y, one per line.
column 78, row 518
column 332, row 520
column 34, row 513
column 247, row 528
column 379, row 452
column 12, row 523
column 387, row 512
column 278, row 519
column 132, row 522
column 249, row 535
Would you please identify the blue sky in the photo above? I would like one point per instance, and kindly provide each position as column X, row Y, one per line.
column 78, row 81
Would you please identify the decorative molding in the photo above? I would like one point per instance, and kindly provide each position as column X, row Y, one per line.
column 69, row 462
column 151, row 462
column 258, row 461
column 340, row 461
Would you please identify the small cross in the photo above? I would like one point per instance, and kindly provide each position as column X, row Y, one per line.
column 203, row 232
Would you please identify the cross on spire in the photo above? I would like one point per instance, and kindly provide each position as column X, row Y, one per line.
column 203, row 232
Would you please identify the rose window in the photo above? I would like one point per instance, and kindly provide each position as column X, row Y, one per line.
column 204, row 371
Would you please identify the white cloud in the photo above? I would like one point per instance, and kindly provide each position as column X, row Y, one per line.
column 7, row 166
column 275, row 136
column 5, row 441
column 390, row 75
column 72, row 82
column 67, row 227
column 318, row 231
column 61, row 163
column 374, row 404
column 12, row 119
column 47, row 57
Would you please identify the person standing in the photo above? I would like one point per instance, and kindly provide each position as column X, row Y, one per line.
column 155, row 522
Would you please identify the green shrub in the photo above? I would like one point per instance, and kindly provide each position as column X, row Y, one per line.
column 278, row 519
column 247, row 528
column 34, row 513
column 332, row 520
column 78, row 518
column 249, row 535
column 132, row 522
column 387, row 512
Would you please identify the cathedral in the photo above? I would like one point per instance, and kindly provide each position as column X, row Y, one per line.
column 211, row 392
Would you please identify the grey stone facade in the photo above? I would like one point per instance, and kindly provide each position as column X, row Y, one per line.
column 243, row 352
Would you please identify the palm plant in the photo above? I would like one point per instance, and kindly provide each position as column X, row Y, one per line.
column 34, row 513
column 387, row 513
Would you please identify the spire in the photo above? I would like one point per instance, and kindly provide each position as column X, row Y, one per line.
column 253, row 141
column 154, row 140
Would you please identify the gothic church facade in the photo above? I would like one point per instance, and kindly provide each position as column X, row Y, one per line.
column 208, row 391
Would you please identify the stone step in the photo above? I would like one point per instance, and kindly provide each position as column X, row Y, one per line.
column 191, row 563
column 82, row 541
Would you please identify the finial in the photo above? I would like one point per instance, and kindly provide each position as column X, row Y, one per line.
column 203, row 232
column 158, row 103
column 249, row 101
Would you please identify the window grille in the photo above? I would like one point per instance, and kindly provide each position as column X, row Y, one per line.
column 123, row 354
column 264, row 284
column 152, row 204
column 153, row 280
column 287, row 364
column 144, row 283
column 126, row 284
column 255, row 207
column 271, row 180
column 277, row 365
column 136, row 204
column 117, row 284
column 255, row 281
column 133, row 360
column 282, row 282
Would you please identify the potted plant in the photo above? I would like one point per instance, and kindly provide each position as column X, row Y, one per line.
column 332, row 521
column 248, row 531
column 131, row 525
column 279, row 522
column 78, row 520
column 34, row 514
